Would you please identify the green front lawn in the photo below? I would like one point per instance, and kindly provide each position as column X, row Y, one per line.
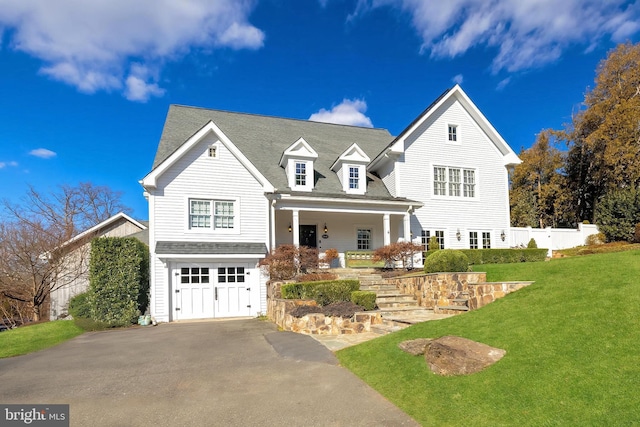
column 27, row 339
column 573, row 351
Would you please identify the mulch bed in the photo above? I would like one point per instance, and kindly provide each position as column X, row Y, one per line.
column 345, row 309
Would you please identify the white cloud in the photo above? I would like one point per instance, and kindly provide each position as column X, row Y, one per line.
column 5, row 164
column 503, row 83
column 458, row 79
column 526, row 33
column 43, row 153
column 88, row 44
column 348, row 112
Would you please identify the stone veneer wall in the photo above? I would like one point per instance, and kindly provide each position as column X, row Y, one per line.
column 438, row 290
column 316, row 323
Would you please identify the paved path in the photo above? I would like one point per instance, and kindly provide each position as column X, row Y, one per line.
column 217, row 373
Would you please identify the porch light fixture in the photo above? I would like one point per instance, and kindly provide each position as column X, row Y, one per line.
column 289, row 227
column 503, row 236
column 458, row 235
column 326, row 230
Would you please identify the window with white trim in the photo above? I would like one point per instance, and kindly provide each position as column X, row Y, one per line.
column 473, row 240
column 454, row 182
column 213, row 151
column 469, row 184
column 364, row 238
column 301, row 174
column 211, row 214
column 486, row 240
column 439, row 181
column 453, row 133
column 354, row 177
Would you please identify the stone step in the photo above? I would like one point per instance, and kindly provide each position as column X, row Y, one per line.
column 374, row 287
column 454, row 307
column 396, row 304
column 385, row 328
column 396, row 297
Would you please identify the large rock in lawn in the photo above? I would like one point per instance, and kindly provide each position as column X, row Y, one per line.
column 460, row 356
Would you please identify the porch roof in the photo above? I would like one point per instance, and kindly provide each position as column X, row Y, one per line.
column 210, row 248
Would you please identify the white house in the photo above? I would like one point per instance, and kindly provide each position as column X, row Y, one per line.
column 227, row 187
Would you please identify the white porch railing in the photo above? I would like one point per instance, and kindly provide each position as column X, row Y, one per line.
column 552, row 238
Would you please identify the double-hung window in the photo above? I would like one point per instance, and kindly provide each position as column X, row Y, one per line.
column 354, row 178
column 454, row 182
column 469, row 185
column 212, row 214
column 426, row 236
column 453, row 133
column 439, row 181
column 301, row 174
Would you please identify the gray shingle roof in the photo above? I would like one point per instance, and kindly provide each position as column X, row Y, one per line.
column 213, row 248
column 263, row 139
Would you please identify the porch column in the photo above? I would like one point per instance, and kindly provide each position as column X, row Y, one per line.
column 295, row 226
column 272, row 225
column 386, row 229
column 407, row 227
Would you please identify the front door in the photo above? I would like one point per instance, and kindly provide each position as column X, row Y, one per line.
column 308, row 236
column 194, row 292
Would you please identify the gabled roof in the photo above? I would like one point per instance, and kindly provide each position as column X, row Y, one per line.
column 352, row 154
column 105, row 225
column 397, row 145
column 299, row 150
column 263, row 140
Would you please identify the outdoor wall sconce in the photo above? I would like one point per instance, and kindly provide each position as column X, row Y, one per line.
column 289, row 227
column 503, row 236
column 326, row 230
column 458, row 235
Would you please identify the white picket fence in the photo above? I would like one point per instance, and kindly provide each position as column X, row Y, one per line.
column 552, row 238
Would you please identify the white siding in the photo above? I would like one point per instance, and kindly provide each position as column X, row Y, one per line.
column 388, row 174
column 429, row 146
column 196, row 175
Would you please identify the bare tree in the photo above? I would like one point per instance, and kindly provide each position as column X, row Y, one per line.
column 38, row 251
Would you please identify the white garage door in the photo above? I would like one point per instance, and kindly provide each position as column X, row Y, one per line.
column 214, row 290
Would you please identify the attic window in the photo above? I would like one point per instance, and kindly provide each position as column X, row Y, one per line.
column 453, row 133
column 213, row 152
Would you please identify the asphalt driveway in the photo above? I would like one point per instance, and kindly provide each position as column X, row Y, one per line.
column 218, row 373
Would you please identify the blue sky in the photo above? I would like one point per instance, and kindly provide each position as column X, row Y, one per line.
column 85, row 86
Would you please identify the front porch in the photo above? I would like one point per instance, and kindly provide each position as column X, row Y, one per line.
column 354, row 228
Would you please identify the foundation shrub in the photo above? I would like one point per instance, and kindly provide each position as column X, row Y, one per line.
column 504, row 256
column 324, row 292
column 365, row 299
column 445, row 261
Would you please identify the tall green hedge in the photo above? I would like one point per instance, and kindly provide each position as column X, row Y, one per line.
column 118, row 280
column 504, row 256
column 323, row 292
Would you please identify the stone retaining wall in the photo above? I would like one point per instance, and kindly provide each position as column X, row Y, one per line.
column 438, row 290
column 316, row 323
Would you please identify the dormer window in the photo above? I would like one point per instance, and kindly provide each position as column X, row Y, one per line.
column 297, row 161
column 301, row 174
column 351, row 170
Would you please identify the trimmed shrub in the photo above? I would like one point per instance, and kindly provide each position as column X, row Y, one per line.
column 324, row 293
column 446, row 261
column 596, row 239
column 433, row 244
column 315, row 277
column 532, row 244
column 365, row 299
column 118, row 280
column 79, row 306
column 504, row 256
